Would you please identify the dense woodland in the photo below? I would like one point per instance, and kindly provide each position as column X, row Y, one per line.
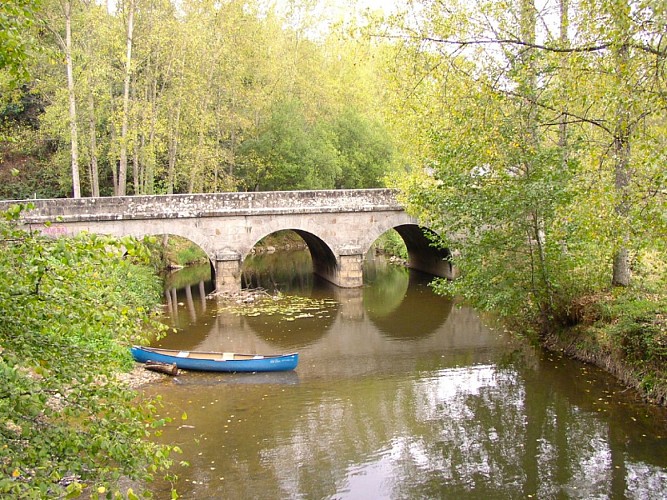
column 531, row 136
column 195, row 96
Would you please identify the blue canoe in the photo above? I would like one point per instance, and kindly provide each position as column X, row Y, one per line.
column 217, row 361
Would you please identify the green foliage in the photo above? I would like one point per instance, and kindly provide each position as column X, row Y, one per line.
column 638, row 326
column 70, row 308
column 190, row 255
column 25, row 169
column 289, row 152
column 364, row 148
column 391, row 243
column 174, row 250
column 16, row 43
column 526, row 166
column 629, row 327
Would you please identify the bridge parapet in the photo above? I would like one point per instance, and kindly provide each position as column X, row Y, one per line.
column 183, row 206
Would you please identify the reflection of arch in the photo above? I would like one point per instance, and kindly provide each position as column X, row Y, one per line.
column 274, row 330
column 419, row 314
column 422, row 255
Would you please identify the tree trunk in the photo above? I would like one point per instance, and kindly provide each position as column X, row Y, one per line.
column 621, row 268
column 122, row 167
column 94, row 170
column 149, row 169
column 112, row 139
column 74, row 134
column 621, row 150
column 564, row 7
column 135, row 168
column 173, row 151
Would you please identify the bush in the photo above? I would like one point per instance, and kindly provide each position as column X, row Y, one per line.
column 70, row 308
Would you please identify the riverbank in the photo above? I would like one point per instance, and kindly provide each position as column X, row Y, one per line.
column 626, row 335
column 139, row 376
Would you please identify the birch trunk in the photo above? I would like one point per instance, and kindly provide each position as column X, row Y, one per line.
column 74, row 133
column 122, row 167
column 94, row 170
column 173, row 151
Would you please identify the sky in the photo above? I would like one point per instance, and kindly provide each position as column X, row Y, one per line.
column 328, row 11
column 386, row 5
column 332, row 11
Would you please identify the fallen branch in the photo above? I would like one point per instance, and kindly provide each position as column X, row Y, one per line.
column 156, row 366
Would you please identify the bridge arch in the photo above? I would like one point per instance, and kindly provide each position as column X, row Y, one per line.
column 422, row 255
column 325, row 262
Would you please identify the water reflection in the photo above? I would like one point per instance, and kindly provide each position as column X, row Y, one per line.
column 417, row 312
column 187, row 287
column 281, row 271
column 455, row 409
column 285, row 335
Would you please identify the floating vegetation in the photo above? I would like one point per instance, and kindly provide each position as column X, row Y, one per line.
column 285, row 307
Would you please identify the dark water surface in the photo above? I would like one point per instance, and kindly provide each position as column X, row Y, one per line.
column 399, row 394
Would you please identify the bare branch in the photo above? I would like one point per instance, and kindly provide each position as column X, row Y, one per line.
column 548, row 48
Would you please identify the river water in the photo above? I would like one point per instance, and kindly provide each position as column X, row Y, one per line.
column 399, row 394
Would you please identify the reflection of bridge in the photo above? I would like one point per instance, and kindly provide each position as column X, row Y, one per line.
column 339, row 226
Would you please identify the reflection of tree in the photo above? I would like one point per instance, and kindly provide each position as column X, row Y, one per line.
column 524, row 426
column 386, row 285
column 188, row 276
column 280, row 271
column 459, row 432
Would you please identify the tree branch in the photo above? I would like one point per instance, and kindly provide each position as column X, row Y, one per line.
column 548, row 48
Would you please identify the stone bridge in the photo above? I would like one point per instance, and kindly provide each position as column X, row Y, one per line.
column 339, row 226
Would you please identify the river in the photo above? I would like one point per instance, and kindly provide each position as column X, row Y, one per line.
column 399, row 394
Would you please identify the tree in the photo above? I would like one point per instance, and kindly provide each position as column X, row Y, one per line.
column 529, row 168
column 364, row 148
column 63, row 11
column 289, row 153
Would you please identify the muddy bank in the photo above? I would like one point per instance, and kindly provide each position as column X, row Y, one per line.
column 580, row 345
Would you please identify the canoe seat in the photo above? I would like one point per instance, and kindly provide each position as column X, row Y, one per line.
column 227, row 356
column 258, row 357
column 183, row 354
